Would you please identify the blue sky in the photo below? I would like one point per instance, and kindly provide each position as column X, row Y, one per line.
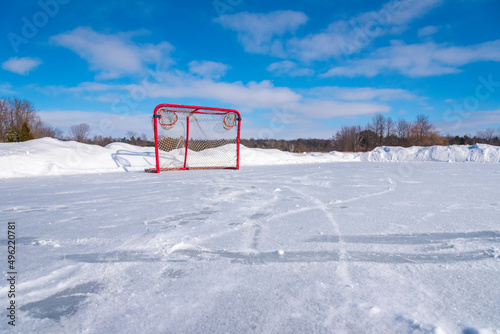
column 292, row 68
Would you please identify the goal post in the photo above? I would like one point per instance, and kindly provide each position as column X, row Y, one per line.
column 191, row 137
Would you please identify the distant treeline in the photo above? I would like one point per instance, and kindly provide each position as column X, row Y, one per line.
column 328, row 145
column 347, row 139
column 19, row 122
column 382, row 131
column 295, row 145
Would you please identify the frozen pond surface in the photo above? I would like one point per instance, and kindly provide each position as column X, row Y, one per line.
column 359, row 247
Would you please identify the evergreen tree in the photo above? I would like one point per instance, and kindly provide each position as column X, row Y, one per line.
column 12, row 135
column 25, row 133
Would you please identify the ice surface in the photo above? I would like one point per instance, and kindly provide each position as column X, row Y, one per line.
column 345, row 247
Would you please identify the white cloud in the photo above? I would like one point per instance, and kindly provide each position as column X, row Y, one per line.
column 405, row 11
column 361, row 93
column 92, row 87
column 263, row 33
column 90, row 91
column 208, row 69
column 101, row 123
column 295, row 126
column 347, row 37
column 315, row 103
column 251, row 95
column 264, row 95
column 419, row 60
column 113, row 56
column 257, row 32
column 21, row 65
column 177, row 84
column 289, row 68
column 427, row 31
column 326, row 102
column 322, row 109
column 458, row 124
column 6, row 88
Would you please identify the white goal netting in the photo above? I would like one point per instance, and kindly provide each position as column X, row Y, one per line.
column 196, row 137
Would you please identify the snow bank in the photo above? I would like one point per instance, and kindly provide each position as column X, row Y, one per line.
column 454, row 153
column 49, row 156
column 263, row 157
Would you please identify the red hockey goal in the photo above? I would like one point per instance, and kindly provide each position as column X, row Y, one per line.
column 189, row 137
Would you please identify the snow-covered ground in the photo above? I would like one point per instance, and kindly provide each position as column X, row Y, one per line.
column 345, row 246
column 49, row 156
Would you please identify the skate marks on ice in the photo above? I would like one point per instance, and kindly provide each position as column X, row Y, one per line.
column 64, row 303
column 172, row 221
column 390, row 188
column 329, row 256
column 32, row 209
column 25, row 241
column 113, row 257
column 447, row 239
column 255, row 258
column 413, row 239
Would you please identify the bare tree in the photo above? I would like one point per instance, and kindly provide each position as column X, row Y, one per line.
column 348, row 138
column 403, row 129
column 4, row 127
column 80, row 132
column 16, row 112
column 48, row 131
column 487, row 134
column 389, row 136
column 378, row 126
column 131, row 135
column 41, row 129
column 389, row 127
column 423, row 126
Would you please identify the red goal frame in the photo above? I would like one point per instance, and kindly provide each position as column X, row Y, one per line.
column 190, row 110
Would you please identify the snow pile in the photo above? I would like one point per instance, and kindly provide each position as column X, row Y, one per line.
column 49, row 156
column 265, row 157
column 454, row 153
